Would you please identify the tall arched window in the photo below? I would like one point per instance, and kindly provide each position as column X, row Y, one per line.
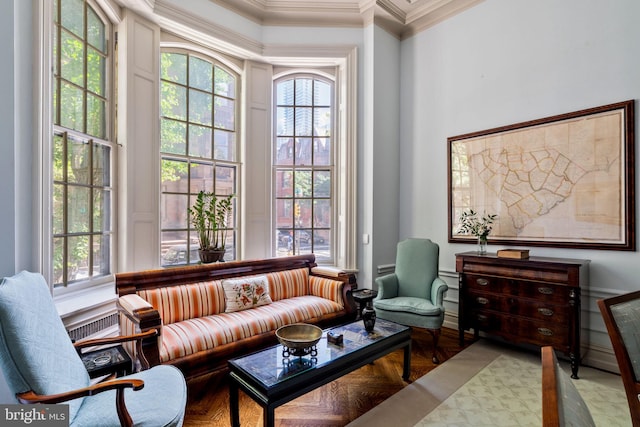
column 303, row 161
column 82, row 230
column 198, row 145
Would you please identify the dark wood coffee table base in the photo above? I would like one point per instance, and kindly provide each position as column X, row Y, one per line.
column 272, row 395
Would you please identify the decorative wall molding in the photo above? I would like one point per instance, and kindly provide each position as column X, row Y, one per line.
column 186, row 24
column 400, row 18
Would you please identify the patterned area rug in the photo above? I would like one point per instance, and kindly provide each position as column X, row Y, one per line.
column 490, row 385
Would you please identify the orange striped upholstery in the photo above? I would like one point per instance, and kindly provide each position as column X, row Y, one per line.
column 183, row 302
column 194, row 318
column 190, row 336
column 288, row 284
column 127, row 327
column 326, row 288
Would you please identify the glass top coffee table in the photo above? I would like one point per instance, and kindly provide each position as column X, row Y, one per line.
column 271, row 379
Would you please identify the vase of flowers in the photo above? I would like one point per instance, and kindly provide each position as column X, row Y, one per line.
column 479, row 226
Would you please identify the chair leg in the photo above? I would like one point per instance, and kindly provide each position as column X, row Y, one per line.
column 436, row 336
column 123, row 414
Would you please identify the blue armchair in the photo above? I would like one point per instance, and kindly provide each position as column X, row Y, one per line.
column 413, row 295
column 41, row 365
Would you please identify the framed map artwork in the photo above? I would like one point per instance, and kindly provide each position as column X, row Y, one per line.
column 562, row 181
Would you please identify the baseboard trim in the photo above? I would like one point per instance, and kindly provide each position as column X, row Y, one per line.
column 600, row 358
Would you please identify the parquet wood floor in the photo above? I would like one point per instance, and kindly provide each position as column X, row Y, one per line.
column 332, row 405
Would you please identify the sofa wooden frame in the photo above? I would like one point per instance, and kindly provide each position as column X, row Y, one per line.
column 216, row 358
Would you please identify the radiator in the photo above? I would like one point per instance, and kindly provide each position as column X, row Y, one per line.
column 96, row 327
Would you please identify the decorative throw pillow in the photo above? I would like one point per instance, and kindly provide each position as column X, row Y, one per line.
column 244, row 293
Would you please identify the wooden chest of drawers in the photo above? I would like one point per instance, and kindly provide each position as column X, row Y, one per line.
column 534, row 301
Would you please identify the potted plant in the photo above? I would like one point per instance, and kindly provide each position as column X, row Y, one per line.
column 472, row 223
column 210, row 216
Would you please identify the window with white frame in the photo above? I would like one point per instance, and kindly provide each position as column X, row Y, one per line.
column 303, row 163
column 82, row 148
column 198, row 145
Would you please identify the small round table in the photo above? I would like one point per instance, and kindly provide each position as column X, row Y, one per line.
column 364, row 297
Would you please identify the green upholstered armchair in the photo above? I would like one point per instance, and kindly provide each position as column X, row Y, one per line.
column 413, row 295
column 41, row 365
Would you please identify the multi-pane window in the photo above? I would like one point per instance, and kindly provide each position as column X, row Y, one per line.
column 304, row 166
column 198, row 144
column 460, row 180
column 82, row 150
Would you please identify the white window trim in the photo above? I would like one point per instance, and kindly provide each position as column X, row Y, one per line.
column 313, row 58
column 324, row 76
column 203, row 31
column 97, row 297
column 344, row 59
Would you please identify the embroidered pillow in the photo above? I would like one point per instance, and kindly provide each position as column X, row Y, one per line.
column 244, row 293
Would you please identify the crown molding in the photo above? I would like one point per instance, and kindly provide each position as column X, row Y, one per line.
column 185, row 24
column 402, row 18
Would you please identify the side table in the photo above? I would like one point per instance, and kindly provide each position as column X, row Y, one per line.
column 364, row 297
column 107, row 361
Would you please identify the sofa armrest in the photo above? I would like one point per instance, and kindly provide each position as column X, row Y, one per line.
column 334, row 273
column 134, row 304
column 335, row 290
column 137, row 316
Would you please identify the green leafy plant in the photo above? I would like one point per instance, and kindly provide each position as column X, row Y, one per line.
column 472, row 223
column 210, row 216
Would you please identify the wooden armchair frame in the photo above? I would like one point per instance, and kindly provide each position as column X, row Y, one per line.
column 562, row 404
column 119, row 385
column 550, row 415
column 629, row 379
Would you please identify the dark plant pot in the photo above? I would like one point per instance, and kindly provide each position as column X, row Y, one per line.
column 368, row 318
column 208, row 256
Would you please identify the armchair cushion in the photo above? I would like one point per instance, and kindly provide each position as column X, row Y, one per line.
column 145, row 409
column 419, row 306
column 35, row 350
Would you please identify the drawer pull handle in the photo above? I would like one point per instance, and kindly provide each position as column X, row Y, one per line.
column 482, row 300
column 482, row 282
column 545, row 331
column 545, row 291
column 482, row 317
column 545, row 311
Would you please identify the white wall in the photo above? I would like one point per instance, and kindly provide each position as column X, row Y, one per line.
column 385, row 147
column 16, row 147
column 504, row 62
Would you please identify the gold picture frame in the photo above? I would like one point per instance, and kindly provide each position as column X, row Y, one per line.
column 561, row 181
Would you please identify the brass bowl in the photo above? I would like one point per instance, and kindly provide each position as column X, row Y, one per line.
column 299, row 336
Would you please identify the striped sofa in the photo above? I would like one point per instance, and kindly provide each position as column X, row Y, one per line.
column 198, row 333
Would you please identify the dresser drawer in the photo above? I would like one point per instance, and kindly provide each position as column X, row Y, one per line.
column 534, row 300
column 551, row 293
column 524, row 307
column 520, row 329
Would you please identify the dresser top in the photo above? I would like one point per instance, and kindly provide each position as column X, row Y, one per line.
column 494, row 258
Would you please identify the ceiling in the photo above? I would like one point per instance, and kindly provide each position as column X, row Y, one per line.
column 402, row 18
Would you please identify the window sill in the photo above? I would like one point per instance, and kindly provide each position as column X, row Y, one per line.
column 86, row 305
